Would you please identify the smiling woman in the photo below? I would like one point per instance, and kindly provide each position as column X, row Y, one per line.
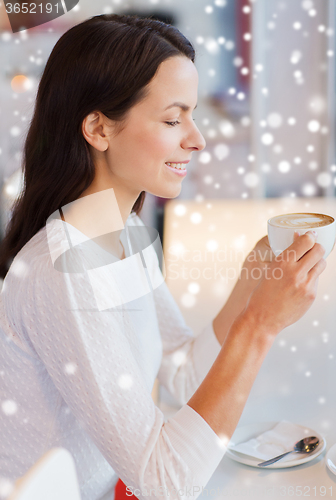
column 87, row 322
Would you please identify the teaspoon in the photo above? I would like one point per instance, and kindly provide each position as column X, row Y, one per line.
column 306, row 445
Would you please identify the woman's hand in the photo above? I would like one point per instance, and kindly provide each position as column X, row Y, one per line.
column 256, row 266
column 260, row 257
column 289, row 287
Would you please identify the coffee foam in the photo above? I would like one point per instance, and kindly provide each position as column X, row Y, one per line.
column 301, row 221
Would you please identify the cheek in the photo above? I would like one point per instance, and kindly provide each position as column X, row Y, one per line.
column 162, row 147
column 154, row 140
column 147, row 147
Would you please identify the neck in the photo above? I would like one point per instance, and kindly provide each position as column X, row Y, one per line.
column 125, row 198
column 109, row 210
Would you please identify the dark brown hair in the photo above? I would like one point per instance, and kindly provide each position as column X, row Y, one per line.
column 102, row 64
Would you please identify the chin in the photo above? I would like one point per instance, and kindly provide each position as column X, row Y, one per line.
column 169, row 193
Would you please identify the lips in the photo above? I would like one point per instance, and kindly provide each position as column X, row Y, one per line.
column 179, row 166
column 182, row 172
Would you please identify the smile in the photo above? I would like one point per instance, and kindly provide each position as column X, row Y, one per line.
column 180, row 166
column 177, row 168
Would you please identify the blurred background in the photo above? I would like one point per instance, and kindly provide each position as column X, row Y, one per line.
column 267, row 111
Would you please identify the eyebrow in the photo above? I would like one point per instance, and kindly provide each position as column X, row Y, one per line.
column 181, row 105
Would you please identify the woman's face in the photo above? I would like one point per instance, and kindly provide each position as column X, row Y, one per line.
column 159, row 130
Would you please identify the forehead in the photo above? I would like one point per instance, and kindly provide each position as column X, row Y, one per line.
column 175, row 81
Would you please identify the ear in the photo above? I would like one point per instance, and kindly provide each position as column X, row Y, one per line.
column 95, row 130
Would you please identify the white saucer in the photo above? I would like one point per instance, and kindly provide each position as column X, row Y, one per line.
column 247, row 432
column 331, row 459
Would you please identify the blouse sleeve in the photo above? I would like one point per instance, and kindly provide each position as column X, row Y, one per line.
column 89, row 359
column 186, row 359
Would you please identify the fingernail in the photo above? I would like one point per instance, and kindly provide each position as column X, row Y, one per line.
column 314, row 233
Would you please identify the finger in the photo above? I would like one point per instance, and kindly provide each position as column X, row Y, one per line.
column 265, row 240
column 263, row 250
column 296, row 235
column 311, row 258
column 317, row 269
column 263, row 243
column 298, row 248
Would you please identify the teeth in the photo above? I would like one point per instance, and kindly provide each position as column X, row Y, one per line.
column 179, row 166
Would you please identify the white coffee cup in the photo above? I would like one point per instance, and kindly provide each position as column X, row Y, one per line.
column 281, row 230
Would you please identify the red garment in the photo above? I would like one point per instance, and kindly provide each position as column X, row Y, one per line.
column 120, row 492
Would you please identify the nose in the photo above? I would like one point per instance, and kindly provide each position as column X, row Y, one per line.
column 194, row 140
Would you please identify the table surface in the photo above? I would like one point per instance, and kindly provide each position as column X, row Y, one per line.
column 234, row 480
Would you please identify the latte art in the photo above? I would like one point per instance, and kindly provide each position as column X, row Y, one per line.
column 281, row 229
column 301, row 221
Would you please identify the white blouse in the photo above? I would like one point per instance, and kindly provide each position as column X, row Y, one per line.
column 79, row 353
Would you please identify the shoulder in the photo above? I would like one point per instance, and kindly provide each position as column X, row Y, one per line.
column 33, row 269
column 31, row 255
column 41, row 250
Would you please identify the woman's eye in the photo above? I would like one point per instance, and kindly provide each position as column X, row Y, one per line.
column 173, row 124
